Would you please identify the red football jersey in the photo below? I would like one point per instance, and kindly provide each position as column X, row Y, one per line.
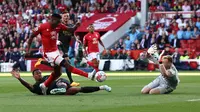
column 49, row 36
column 91, row 40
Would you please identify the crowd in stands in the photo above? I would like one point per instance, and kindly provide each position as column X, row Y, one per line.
column 174, row 5
column 19, row 17
column 165, row 32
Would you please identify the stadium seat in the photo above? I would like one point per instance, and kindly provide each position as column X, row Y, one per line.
column 193, row 64
column 113, row 52
column 184, row 43
column 191, row 41
column 135, row 54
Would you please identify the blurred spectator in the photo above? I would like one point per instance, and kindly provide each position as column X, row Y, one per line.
column 172, row 36
column 115, row 47
column 175, row 43
column 180, row 33
column 144, row 42
column 187, row 34
column 167, row 51
column 176, row 57
column 124, row 54
column 195, row 33
column 7, row 55
column 198, row 23
column 118, row 55
column 135, row 45
column 161, row 45
column 127, row 43
column 129, row 55
column 186, row 6
column 120, row 44
column 133, row 35
column 15, row 55
column 142, row 62
column 107, row 55
column 185, row 55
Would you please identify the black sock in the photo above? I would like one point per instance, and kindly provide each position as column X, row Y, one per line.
column 69, row 74
column 45, row 63
column 89, row 89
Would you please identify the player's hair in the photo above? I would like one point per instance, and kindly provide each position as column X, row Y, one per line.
column 89, row 26
column 34, row 71
column 169, row 58
column 56, row 16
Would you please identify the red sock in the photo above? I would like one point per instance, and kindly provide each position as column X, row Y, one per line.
column 77, row 71
column 51, row 78
column 92, row 65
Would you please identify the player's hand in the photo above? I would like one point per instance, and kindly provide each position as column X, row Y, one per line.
column 152, row 49
column 58, row 42
column 15, row 73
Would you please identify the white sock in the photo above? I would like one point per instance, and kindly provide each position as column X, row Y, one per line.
column 102, row 87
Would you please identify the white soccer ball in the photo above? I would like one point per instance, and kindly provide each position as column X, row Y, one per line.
column 100, row 76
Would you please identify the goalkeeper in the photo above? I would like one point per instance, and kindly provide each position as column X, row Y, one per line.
column 168, row 79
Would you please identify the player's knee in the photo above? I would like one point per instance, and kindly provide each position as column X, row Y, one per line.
column 154, row 91
column 65, row 63
column 95, row 62
column 145, row 90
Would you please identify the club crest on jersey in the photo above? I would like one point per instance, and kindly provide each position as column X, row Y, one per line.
column 53, row 35
column 94, row 41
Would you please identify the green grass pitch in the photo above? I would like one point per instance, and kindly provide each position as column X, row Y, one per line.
column 125, row 96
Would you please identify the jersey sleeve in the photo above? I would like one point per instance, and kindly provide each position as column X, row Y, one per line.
column 37, row 30
column 63, row 27
column 172, row 71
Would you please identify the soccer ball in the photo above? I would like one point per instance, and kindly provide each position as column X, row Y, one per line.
column 100, row 76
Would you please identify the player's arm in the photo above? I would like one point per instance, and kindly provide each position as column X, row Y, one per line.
column 85, row 43
column 100, row 42
column 164, row 72
column 16, row 74
column 152, row 54
column 71, row 29
column 36, row 31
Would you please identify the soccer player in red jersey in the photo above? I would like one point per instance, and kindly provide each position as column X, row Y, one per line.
column 91, row 41
column 49, row 34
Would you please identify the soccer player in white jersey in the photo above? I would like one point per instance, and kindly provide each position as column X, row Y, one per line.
column 168, row 79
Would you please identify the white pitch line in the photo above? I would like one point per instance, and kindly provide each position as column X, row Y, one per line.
column 193, row 100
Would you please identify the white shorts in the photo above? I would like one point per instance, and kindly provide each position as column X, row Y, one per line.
column 93, row 55
column 54, row 58
column 158, row 83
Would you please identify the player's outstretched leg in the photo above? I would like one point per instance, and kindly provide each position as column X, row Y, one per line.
column 41, row 61
column 88, row 89
column 54, row 75
column 94, row 89
column 94, row 63
column 69, row 74
column 74, row 70
column 74, row 90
